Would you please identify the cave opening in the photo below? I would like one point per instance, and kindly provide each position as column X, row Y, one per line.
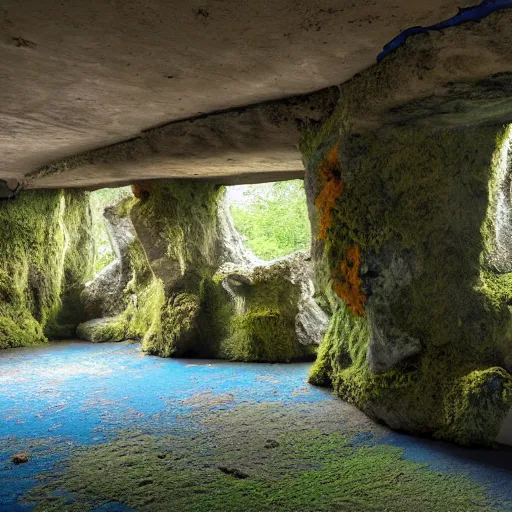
column 271, row 217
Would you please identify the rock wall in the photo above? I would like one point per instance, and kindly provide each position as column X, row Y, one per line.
column 47, row 255
column 104, row 295
column 406, row 222
column 182, row 294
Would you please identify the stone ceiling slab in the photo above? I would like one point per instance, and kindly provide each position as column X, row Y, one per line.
column 79, row 75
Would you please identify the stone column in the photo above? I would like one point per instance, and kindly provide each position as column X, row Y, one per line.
column 412, row 238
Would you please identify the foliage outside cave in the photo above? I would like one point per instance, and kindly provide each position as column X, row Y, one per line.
column 272, row 217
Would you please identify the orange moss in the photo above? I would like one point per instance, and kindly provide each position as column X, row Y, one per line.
column 141, row 189
column 332, row 188
column 349, row 289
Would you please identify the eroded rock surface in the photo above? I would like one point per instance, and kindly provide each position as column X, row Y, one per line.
column 104, row 295
column 409, row 228
column 184, row 283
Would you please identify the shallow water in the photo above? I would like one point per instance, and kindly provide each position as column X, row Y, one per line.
column 57, row 397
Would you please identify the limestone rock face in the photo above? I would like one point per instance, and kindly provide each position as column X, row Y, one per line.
column 104, row 295
column 505, row 433
column 311, row 322
column 386, row 275
column 178, row 228
column 231, row 247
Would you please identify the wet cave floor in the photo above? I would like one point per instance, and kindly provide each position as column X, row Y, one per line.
column 107, row 428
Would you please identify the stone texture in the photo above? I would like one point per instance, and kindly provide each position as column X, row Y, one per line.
column 104, row 295
column 231, row 246
column 175, row 61
column 420, row 335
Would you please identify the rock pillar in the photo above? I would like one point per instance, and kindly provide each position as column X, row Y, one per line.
column 411, row 232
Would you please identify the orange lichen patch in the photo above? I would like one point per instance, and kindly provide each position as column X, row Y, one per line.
column 332, row 188
column 349, row 288
column 141, row 189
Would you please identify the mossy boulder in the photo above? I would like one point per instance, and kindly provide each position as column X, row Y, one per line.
column 256, row 311
column 406, row 234
column 101, row 330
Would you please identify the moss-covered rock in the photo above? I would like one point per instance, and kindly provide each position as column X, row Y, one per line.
column 47, row 255
column 178, row 302
column 176, row 223
column 101, row 330
column 406, row 225
column 254, row 312
column 175, row 330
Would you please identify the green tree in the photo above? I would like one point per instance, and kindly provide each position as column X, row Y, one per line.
column 273, row 218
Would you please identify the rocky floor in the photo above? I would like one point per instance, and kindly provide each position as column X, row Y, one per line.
column 106, row 428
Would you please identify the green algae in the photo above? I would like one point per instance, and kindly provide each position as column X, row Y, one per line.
column 47, row 255
column 422, row 195
column 305, row 468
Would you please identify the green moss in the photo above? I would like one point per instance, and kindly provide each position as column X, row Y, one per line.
column 177, row 225
column 102, row 330
column 259, row 325
column 47, row 255
column 174, row 331
column 421, row 195
column 181, row 215
column 144, row 292
column 21, row 332
column 265, row 336
column 111, row 331
column 308, row 468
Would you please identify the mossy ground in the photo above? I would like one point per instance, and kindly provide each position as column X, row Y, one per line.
column 256, row 457
column 422, row 195
column 47, row 255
